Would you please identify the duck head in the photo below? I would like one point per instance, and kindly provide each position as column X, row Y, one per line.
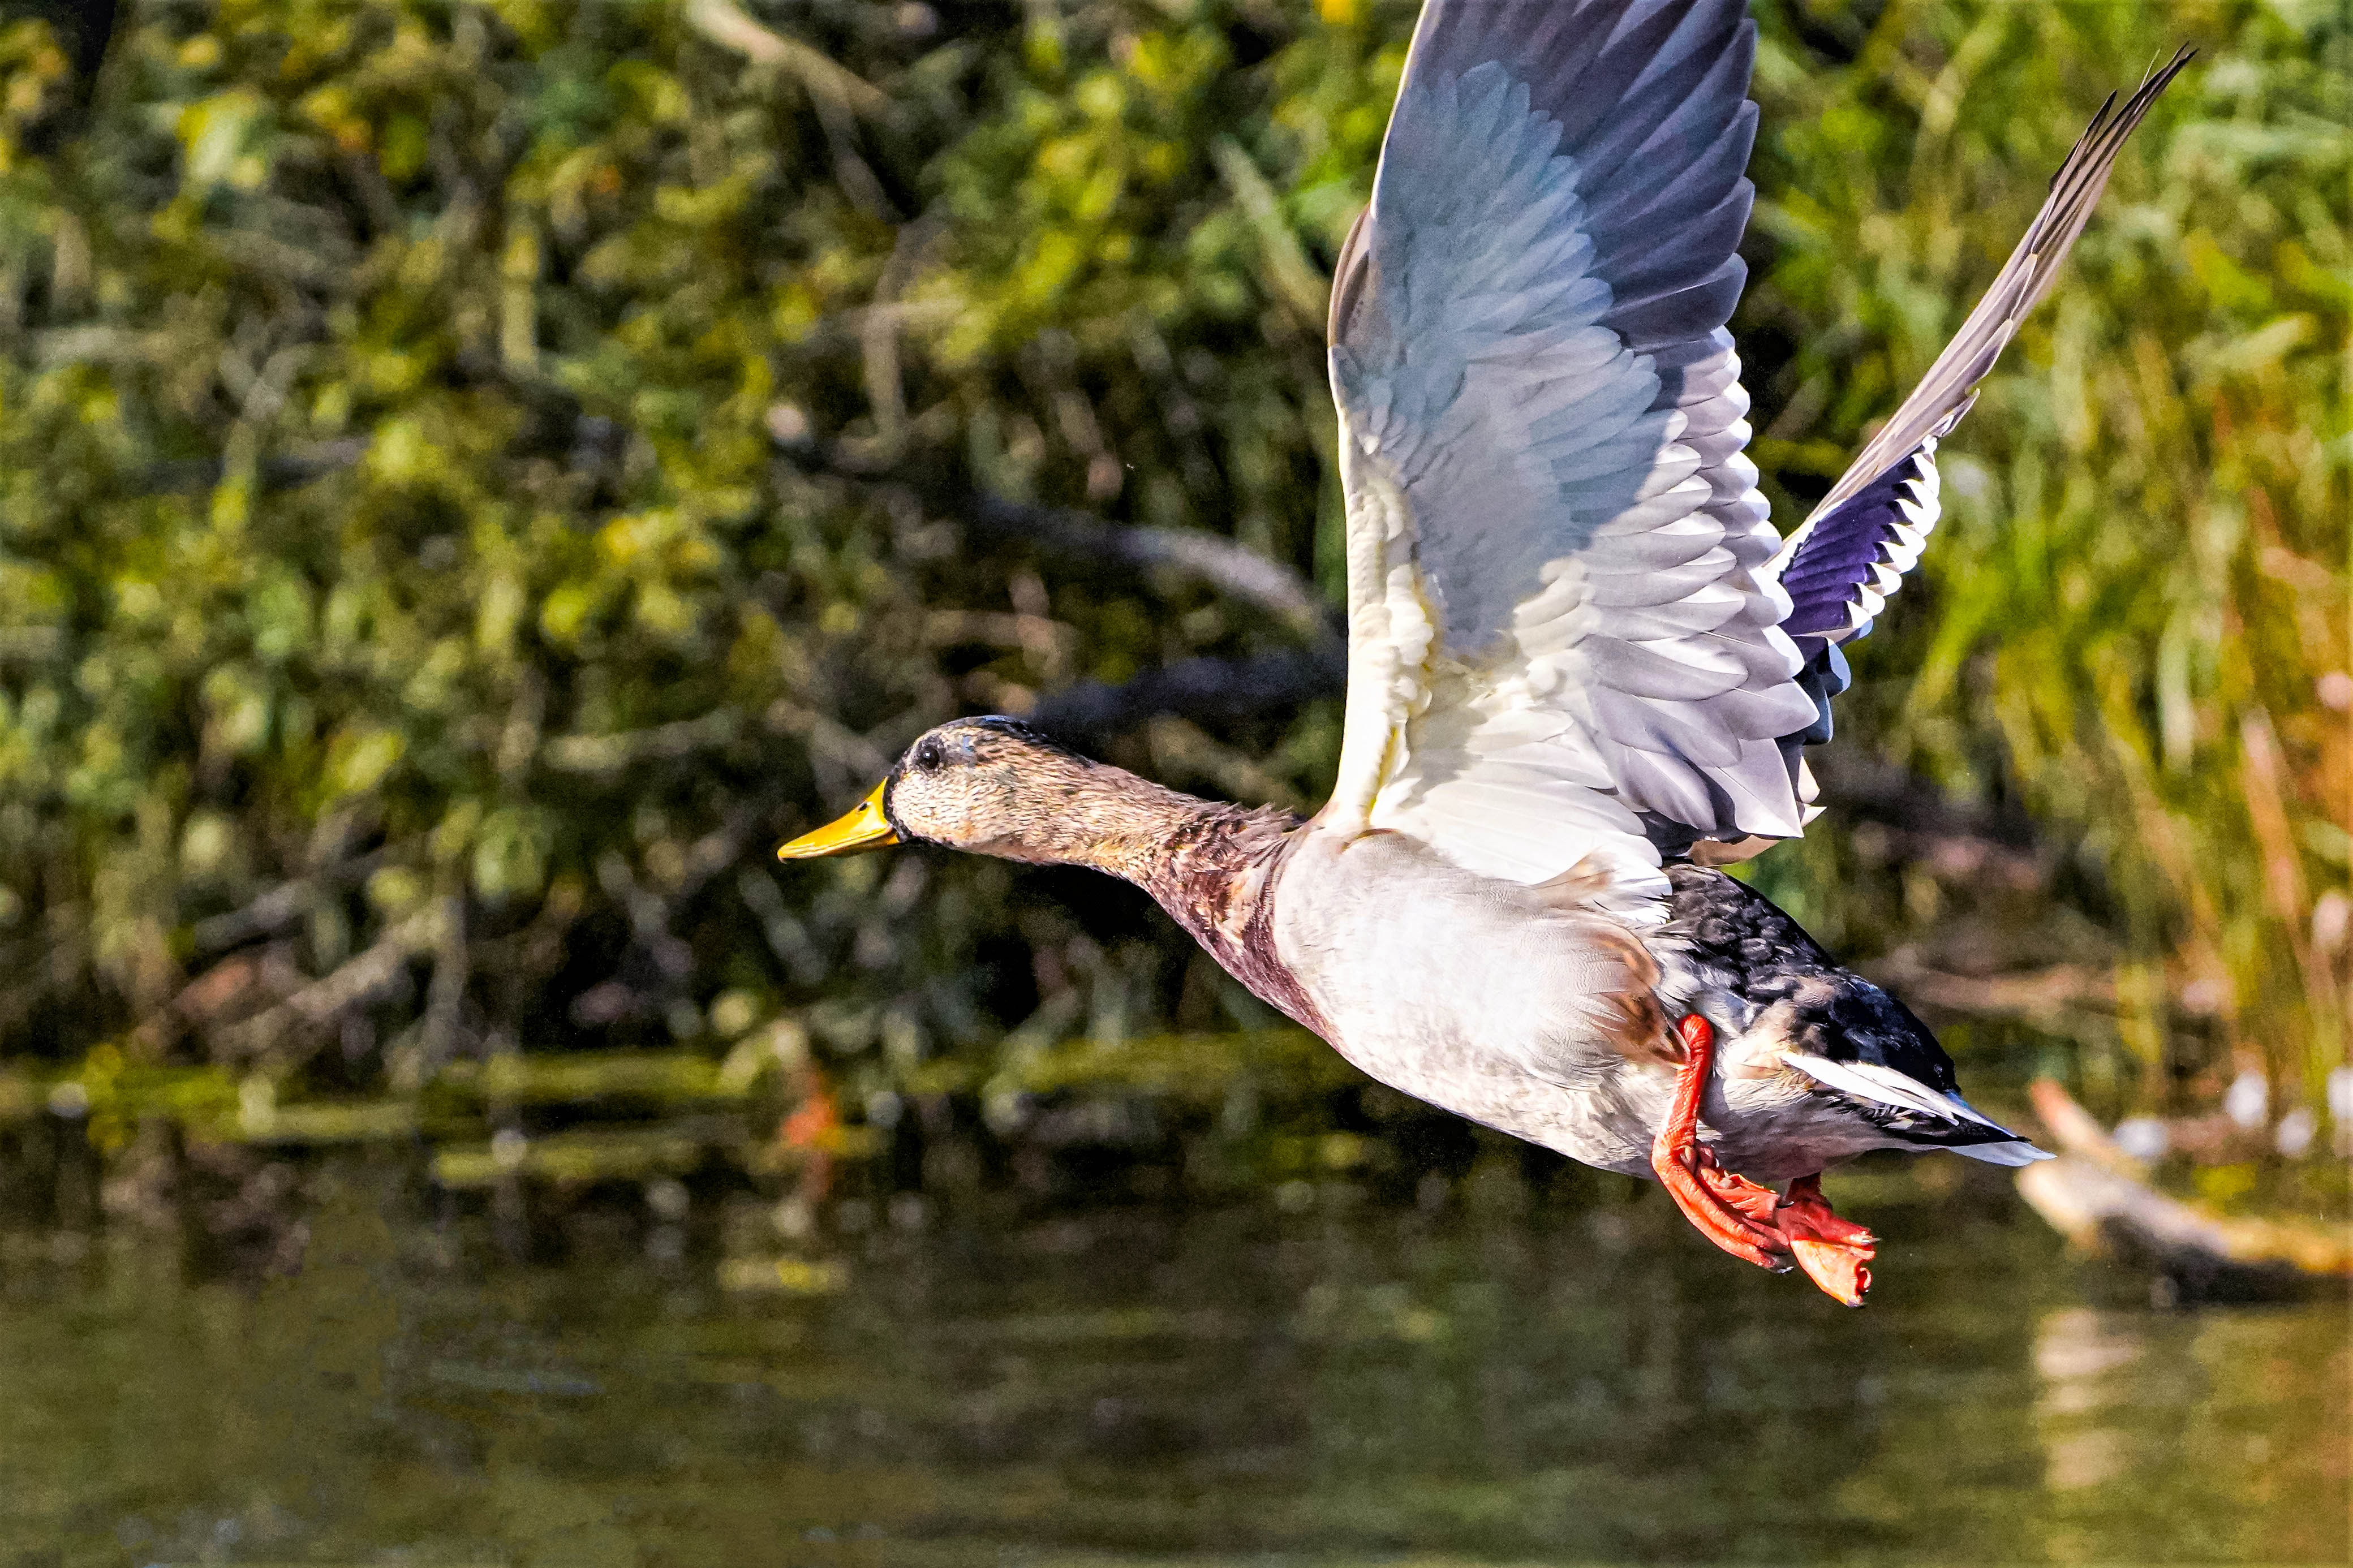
column 998, row 787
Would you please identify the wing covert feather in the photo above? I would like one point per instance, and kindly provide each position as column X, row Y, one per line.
column 1553, row 537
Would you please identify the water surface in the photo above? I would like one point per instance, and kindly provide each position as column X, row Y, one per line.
column 1332, row 1382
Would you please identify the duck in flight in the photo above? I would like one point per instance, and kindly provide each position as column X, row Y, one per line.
column 1583, row 666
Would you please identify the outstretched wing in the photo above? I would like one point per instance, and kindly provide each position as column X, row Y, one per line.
column 1560, row 633
column 1574, row 636
column 1844, row 560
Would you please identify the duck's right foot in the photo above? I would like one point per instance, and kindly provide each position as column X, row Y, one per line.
column 1835, row 1253
column 1728, row 1209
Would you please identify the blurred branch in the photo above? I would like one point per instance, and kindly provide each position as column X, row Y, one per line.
column 281, row 906
column 724, row 24
column 2064, row 998
column 829, row 742
column 282, row 471
column 611, row 754
column 1230, row 567
column 376, row 973
column 879, row 327
column 1205, row 690
column 1225, row 565
column 445, row 996
column 1289, row 273
column 1880, row 792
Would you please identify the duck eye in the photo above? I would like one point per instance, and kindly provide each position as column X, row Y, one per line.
column 927, row 755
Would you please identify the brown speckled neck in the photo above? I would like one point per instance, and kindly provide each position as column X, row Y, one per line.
column 1212, row 867
column 1215, row 872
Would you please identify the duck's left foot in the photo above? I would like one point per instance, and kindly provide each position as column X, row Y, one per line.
column 1727, row 1208
column 1833, row 1252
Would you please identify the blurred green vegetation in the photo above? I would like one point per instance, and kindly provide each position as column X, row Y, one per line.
column 2136, row 621
column 475, row 475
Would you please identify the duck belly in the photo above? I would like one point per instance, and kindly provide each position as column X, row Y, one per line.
column 1484, row 999
column 1475, row 996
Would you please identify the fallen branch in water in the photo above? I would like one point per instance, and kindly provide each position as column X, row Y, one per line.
column 2096, row 1195
column 2078, row 1131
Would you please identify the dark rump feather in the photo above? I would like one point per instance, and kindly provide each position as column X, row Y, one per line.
column 1745, row 944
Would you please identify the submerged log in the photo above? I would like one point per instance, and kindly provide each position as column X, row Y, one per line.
column 2099, row 1198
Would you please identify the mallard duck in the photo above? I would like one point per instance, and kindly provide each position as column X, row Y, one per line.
column 1583, row 666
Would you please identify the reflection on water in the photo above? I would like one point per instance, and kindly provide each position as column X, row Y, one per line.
column 1344, row 1383
column 2135, row 1405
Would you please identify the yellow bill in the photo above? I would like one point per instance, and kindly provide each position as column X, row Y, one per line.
column 862, row 827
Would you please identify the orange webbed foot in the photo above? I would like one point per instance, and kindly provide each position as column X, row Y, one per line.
column 1833, row 1252
column 1730, row 1210
column 1746, row 1220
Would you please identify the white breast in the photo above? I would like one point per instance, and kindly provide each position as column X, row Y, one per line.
column 1474, row 994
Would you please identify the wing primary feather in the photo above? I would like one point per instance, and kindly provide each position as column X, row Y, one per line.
column 2029, row 274
column 1838, row 567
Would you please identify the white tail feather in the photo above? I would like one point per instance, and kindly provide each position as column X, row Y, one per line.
column 1884, row 1086
column 2017, row 1152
